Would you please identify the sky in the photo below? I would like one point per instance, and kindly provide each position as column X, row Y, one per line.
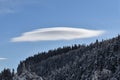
column 31, row 26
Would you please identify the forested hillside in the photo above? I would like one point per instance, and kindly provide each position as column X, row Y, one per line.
column 96, row 61
column 6, row 74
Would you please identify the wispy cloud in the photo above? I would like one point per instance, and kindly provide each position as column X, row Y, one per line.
column 11, row 6
column 3, row 59
column 6, row 11
column 56, row 33
column 6, row 6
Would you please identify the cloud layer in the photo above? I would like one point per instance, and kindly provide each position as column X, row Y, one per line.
column 56, row 33
column 3, row 59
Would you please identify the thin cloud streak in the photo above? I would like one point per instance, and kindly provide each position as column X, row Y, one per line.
column 6, row 11
column 7, row 6
column 3, row 59
column 12, row 6
column 56, row 33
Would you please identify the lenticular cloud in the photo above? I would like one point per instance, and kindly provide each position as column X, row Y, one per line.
column 56, row 33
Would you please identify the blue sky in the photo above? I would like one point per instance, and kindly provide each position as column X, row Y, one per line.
column 20, row 16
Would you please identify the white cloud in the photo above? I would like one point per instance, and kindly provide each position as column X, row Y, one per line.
column 3, row 59
column 56, row 33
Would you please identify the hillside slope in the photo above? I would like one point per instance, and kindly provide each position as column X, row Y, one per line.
column 97, row 61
